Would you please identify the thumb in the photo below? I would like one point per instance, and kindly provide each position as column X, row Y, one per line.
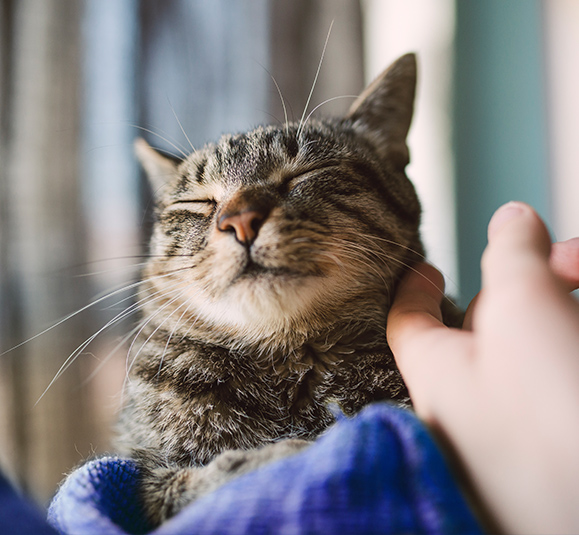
column 519, row 246
column 414, row 315
column 416, row 307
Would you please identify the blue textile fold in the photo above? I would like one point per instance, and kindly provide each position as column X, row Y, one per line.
column 377, row 473
column 19, row 516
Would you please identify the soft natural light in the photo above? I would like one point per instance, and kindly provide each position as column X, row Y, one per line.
column 562, row 75
column 393, row 28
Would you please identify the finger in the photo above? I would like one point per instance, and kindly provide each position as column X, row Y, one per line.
column 467, row 322
column 519, row 247
column 420, row 293
column 416, row 307
column 565, row 262
column 427, row 352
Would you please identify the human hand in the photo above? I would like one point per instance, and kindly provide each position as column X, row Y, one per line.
column 504, row 392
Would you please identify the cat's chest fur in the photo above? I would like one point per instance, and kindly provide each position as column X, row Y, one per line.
column 195, row 400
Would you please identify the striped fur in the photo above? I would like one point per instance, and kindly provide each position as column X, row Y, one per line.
column 247, row 343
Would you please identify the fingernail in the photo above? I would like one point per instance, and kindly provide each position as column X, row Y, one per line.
column 505, row 213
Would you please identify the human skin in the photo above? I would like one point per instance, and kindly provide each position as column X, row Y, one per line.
column 502, row 394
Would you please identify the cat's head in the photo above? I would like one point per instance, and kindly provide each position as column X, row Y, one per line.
column 288, row 228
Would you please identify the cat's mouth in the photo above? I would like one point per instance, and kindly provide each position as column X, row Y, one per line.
column 254, row 270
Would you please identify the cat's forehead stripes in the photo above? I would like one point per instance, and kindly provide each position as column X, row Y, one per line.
column 275, row 161
column 192, row 182
column 270, row 154
column 192, row 170
column 199, row 170
column 263, row 156
column 249, row 159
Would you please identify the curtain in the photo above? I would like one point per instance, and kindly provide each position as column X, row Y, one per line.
column 42, row 239
column 79, row 81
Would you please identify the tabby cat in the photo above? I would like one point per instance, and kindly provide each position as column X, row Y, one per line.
column 273, row 263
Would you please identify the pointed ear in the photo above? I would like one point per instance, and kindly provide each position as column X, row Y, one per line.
column 384, row 110
column 159, row 169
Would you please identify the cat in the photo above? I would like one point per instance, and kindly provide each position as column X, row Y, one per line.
column 274, row 259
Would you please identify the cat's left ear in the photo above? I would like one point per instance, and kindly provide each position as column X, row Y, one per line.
column 383, row 111
column 160, row 169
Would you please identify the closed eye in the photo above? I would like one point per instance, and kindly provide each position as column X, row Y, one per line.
column 198, row 206
column 294, row 181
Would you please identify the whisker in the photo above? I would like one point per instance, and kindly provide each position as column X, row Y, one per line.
column 119, row 317
column 280, row 96
column 282, row 104
column 370, row 239
column 332, row 257
column 180, row 150
column 170, row 337
column 275, row 118
column 180, row 125
column 96, row 273
column 145, row 323
column 122, row 288
column 315, row 81
column 73, row 314
column 390, row 257
column 186, row 333
column 371, row 266
column 136, row 265
column 103, row 361
column 326, row 102
column 312, row 142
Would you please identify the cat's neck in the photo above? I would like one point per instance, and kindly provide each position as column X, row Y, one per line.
column 332, row 342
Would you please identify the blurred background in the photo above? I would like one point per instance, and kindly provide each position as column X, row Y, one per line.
column 496, row 120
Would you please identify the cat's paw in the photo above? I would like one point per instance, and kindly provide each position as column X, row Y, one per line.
column 166, row 489
column 233, row 463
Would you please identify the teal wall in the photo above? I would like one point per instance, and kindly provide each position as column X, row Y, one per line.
column 499, row 120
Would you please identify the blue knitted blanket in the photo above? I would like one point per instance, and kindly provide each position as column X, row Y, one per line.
column 379, row 472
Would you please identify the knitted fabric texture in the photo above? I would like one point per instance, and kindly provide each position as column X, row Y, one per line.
column 377, row 473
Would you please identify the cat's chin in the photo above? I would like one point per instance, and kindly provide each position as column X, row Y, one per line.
column 263, row 300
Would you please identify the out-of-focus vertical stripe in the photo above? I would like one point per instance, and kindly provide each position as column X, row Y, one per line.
column 499, row 121
column 393, row 28
column 204, row 70
column 562, row 84
column 110, row 102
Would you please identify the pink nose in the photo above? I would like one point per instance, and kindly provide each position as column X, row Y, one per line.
column 245, row 225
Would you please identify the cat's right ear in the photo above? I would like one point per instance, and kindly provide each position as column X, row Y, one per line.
column 160, row 169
